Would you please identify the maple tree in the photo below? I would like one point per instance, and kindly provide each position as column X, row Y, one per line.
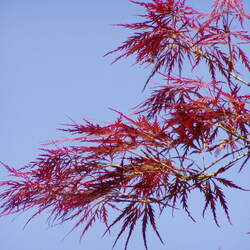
column 184, row 137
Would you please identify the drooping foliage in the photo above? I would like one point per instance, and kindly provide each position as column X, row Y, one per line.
column 184, row 137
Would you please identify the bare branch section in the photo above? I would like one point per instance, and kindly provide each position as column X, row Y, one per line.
column 185, row 136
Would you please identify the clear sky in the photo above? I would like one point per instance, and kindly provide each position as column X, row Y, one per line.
column 52, row 70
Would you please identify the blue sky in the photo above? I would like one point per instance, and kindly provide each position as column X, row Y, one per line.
column 52, row 68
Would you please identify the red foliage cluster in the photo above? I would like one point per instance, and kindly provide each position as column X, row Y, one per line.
column 141, row 165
